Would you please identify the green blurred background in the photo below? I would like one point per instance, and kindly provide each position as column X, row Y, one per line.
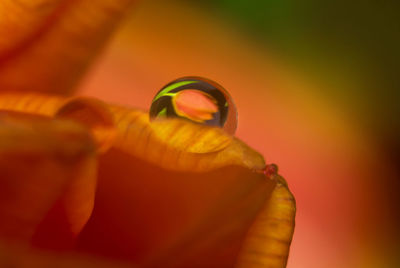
column 354, row 46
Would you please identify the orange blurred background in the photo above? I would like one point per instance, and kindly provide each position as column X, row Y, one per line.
column 300, row 113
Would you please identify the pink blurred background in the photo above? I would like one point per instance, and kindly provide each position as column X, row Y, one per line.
column 338, row 170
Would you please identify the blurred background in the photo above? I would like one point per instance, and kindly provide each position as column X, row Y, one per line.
column 317, row 90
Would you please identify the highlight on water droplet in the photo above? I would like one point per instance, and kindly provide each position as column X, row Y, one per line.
column 197, row 99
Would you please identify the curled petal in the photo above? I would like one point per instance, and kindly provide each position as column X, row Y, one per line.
column 189, row 147
column 47, row 179
column 92, row 113
column 268, row 240
column 95, row 115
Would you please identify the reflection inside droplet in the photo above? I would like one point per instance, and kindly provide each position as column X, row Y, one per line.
column 196, row 99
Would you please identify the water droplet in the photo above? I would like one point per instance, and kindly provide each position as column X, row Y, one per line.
column 196, row 99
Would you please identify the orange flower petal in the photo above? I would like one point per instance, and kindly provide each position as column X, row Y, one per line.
column 180, row 145
column 174, row 188
column 22, row 20
column 47, row 179
column 154, row 213
column 45, row 45
column 187, row 144
column 147, row 214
